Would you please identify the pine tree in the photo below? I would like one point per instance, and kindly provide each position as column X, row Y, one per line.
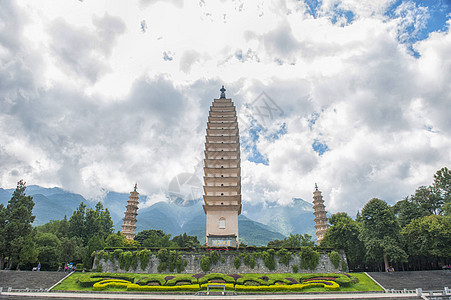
column 19, row 216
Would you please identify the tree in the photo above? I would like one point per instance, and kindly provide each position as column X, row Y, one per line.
column 95, row 243
column 429, row 236
column 153, row 238
column 19, row 216
column 116, row 240
column 343, row 234
column 49, row 250
column 380, row 233
column 3, row 247
column 406, row 210
column 293, row 241
column 77, row 222
column 185, row 241
column 442, row 182
column 428, row 199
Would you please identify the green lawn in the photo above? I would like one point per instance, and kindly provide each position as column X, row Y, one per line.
column 364, row 282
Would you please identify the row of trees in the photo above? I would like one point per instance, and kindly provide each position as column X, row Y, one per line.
column 68, row 240
column 413, row 234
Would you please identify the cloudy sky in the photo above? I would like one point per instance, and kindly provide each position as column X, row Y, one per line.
column 352, row 94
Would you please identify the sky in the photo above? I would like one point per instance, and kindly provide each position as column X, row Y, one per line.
column 353, row 95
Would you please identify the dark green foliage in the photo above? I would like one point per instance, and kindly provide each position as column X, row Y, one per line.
column 205, row 263
column 128, row 258
column 309, row 258
column 214, row 255
column 237, row 262
column 16, row 221
column 268, row 259
column 380, row 233
column 295, row 268
column 163, row 254
column 344, row 266
column 186, row 241
column 293, row 241
column 343, row 234
column 162, row 266
column 154, row 238
column 49, row 248
column 284, row 256
column 335, row 258
column 144, row 257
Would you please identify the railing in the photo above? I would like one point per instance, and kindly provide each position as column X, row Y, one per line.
column 444, row 294
column 27, row 290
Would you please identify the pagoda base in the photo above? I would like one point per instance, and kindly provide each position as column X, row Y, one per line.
column 222, row 241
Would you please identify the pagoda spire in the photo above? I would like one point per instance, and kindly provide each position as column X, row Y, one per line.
column 222, row 90
column 321, row 223
column 129, row 224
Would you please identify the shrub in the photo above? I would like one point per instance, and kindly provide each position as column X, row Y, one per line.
column 205, row 263
column 295, row 268
column 144, row 257
column 334, row 259
column 216, row 276
column 214, row 256
column 237, row 262
column 268, row 259
column 294, row 287
column 235, row 276
column 222, row 260
column 162, row 266
column 153, row 278
column 181, row 278
column 89, row 281
column 118, row 283
column 228, row 286
column 175, row 288
column 127, row 260
column 344, row 266
column 284, row 256
column 292, row 280
column 252, row 261
column 309, row 258
column 199, row 275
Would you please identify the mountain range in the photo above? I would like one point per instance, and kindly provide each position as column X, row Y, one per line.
column 258, row 224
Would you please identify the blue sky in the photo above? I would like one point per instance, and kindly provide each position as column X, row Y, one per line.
column 96, row 96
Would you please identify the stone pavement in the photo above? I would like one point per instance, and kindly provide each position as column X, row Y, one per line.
column 427, row 280
column 29, row 279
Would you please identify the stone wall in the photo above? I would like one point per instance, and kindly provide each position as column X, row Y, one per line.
column 225, row 264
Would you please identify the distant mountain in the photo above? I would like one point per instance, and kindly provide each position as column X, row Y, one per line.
column 294, row 218
column 258, row 224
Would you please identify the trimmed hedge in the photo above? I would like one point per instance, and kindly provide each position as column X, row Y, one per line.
column 90, row 280
column 216, row 276
column 228, row 286
column 173, row 288
column 117, row 283
column 329, row 285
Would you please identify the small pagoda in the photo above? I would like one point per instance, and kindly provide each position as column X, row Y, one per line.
column 321, row 223
column 129, row 225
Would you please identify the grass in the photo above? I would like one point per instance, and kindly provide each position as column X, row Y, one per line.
column 363, row 285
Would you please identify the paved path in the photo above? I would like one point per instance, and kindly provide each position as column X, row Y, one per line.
column 326, row 296
column 427, row 280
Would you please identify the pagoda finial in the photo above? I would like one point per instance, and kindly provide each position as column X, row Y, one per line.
column 136, row 186
column 222, row 92
column 316, row 187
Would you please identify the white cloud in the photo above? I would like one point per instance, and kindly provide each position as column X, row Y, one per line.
column 89, row 103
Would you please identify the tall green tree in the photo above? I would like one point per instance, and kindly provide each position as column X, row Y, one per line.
column 428, row 199
column 429, row 237
column 49, row 250
column 442, row 182
column 381, row 233
column 406, row 210
column 343, row 234
column 3, row 218
column 19, row 216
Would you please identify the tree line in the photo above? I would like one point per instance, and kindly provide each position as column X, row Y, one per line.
column 413, row 234
column 71, row 240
